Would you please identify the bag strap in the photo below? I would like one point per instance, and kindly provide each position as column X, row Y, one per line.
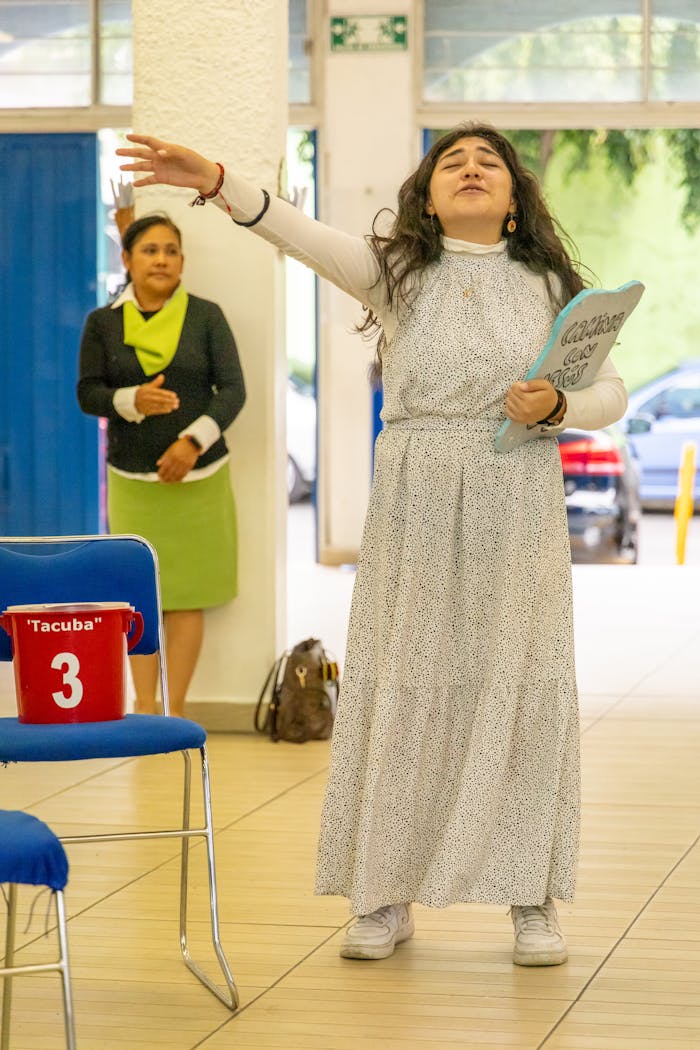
column 330, row 670
column 262, row 724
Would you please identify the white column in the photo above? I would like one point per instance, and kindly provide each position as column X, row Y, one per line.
column 213, row 76
column 369, row 144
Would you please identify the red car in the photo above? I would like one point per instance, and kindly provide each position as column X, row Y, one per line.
column 601, row 485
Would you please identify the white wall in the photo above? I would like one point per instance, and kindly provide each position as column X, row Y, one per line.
column 213, row 76
column 368, row 145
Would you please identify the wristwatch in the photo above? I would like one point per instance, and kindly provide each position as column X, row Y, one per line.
column 195, row 442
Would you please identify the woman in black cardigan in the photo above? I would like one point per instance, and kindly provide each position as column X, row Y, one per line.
column 162, row 367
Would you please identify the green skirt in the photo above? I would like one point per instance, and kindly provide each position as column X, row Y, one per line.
column 191, row 524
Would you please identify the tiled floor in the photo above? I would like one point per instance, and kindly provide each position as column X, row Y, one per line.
column 633, row 978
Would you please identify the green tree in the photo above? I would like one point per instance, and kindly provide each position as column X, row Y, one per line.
column 625, row 152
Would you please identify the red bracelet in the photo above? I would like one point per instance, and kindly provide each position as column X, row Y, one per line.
column 203, row 197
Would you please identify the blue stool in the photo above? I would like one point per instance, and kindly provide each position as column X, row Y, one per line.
column 31, row 855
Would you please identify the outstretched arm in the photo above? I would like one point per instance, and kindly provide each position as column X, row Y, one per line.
column 344, row 260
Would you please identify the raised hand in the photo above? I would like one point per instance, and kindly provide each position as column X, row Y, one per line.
column 168, row 164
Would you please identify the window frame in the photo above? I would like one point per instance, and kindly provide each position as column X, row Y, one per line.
column 645, row 113
column 98, row 115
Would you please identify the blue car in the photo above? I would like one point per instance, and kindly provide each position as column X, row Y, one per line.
column 662, row 416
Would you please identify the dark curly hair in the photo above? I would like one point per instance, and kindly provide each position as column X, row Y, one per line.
column 414, row 240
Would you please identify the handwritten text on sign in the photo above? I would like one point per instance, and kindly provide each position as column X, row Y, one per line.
column 581, row 339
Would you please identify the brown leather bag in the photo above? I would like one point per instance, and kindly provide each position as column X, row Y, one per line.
column 299, row 698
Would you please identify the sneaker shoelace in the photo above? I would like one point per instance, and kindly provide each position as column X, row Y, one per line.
column 533, row 919
column 376, row 918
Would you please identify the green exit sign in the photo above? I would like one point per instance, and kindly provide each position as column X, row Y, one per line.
column 369, row 33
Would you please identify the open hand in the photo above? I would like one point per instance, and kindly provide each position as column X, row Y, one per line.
column 152, row 400
column 168, row 164
column 177, row 460
column 530, row 401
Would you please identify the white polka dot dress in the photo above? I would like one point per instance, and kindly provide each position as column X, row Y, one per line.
column 455, row 770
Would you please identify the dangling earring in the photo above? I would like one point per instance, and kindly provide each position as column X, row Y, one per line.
column 511, row 225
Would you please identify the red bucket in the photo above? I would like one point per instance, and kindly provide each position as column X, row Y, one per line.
column 70, row 659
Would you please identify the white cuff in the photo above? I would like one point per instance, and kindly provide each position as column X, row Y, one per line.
column 124, row 402
column 248, row 198
column 205, row 429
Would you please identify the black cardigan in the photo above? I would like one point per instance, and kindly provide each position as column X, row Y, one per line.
column 205, row 373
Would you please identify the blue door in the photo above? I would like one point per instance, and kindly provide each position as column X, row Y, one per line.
column 48, row 283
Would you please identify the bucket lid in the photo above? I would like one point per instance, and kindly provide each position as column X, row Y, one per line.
column 68, row 607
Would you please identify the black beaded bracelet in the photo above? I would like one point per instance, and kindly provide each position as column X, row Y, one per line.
column 549, row 421
column 258, row 217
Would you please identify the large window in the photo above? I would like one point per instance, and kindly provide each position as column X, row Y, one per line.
column 561, row 51
column 65, row 53
column 68, row 53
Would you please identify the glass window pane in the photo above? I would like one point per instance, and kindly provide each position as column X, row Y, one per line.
column 116, row 55
column 535, row 85
column 675, row 50
column 678, row 10
column 44, row 54
column 116, row 89
column 512, row 17
column 299, row 86
column 510, row 52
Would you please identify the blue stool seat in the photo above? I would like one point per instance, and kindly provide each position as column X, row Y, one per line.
column 124, row 738
column 30, row 853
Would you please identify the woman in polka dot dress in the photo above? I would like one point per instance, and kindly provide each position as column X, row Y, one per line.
column 455, row 766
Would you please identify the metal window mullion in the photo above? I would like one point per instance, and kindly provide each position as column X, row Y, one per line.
column 563, row 115
column 94, row 22
column 64, row 118
column 646, row 50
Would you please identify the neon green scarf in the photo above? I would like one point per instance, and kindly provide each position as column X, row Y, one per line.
column 155, row 341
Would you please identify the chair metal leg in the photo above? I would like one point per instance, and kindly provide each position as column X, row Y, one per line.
column 231, row 1000
column 64, row 969
column 61, row 965
column 230, row 997
column 9, row 958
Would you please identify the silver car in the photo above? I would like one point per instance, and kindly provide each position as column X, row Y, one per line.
column 662, row 416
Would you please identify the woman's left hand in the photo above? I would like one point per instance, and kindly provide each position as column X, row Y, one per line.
column 177, row 460
column 530, row 401
column 168, row 164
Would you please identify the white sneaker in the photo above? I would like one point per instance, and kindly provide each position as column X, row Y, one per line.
column 538, row 939
column 376, row 935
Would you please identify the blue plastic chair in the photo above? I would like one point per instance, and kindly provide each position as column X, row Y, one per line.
column 106, row 569
column 31, row 855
